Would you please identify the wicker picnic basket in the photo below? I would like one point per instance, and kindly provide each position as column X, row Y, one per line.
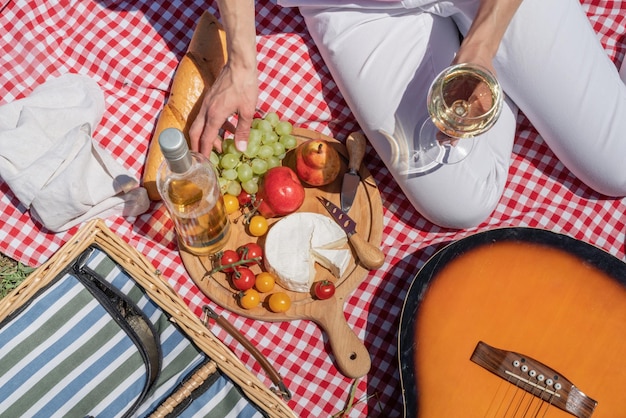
column 97, row 233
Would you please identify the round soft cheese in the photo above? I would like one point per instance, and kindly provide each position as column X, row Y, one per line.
column 296, row 242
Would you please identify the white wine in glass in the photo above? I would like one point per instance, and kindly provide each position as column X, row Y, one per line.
column 464, row 101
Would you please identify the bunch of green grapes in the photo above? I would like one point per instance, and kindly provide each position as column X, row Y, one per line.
column 269, row 140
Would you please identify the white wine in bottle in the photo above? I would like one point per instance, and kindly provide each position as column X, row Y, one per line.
column 188, row 185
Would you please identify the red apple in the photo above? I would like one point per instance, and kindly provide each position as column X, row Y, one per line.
column 317, row 162
column 280, row 192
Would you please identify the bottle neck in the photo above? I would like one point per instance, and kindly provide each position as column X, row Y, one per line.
column 175, row 150
column 182, row 164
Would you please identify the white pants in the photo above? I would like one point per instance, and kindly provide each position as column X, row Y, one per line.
column 383, row 57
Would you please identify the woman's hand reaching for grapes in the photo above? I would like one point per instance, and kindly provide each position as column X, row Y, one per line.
column 233, row 92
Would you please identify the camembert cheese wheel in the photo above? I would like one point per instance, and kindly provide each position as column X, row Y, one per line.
column 295, row 243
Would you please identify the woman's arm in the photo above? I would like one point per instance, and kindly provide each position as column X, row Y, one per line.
column 484, row 36
column 236, row 88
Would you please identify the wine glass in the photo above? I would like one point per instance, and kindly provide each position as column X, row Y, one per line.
column 463, row 101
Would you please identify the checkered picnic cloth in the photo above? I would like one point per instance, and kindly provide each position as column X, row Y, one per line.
column 131, row 48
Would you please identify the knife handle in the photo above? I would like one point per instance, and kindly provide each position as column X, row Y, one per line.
column 355, row 144
column 370, row 256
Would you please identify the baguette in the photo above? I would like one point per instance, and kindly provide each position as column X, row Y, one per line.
column 196, row 73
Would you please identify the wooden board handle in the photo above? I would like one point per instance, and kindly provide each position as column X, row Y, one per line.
column 352, row 358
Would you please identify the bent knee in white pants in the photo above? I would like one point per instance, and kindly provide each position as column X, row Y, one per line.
column 464, row 194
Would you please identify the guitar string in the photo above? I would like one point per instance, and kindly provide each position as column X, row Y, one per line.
column 521, row 393
column 542, row 402
column 515, row 409
column 533, row 396
column 506, row 391
column 549, row 404
column 540, row 405
column 523, row 401
column 493, row 399
column 520, row 402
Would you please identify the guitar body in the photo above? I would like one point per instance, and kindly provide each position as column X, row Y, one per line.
column 552, row 298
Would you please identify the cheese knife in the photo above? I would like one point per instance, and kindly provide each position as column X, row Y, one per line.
column 355, row 144
column 370, row 256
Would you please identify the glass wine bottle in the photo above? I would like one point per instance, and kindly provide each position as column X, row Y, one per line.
column 188, row 185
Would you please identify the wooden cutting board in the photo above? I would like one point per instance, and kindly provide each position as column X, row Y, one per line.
column 350, row 353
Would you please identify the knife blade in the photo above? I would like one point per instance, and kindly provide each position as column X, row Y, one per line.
column 355, row 144
column 370, row 256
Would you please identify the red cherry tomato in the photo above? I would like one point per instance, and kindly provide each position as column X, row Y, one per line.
column 228, row 257
column 244, row 198
column 250, row 251
column 323, row 289
column 243, row 278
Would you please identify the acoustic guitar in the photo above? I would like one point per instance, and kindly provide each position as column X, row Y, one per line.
column 515, row 322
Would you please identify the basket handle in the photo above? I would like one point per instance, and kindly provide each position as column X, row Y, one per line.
column 281, row 389
column 198, row 378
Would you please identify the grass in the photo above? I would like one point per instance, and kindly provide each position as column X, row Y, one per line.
column 12, row 273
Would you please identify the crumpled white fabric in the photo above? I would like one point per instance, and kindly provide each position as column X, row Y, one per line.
column 51, row 163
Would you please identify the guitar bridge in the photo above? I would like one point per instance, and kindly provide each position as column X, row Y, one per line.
column 535, row 378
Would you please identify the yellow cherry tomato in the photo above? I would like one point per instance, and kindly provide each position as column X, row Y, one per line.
column 249, row 299
column 279, row 302
column 257, row 226
column 264, row 282
column 231, row 203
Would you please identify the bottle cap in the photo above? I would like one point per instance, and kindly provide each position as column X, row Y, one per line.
column 175, row 149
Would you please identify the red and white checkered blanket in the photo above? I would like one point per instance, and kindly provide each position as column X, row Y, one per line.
column 131, row 48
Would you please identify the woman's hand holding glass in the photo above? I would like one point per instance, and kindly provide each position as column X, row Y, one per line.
column 464, row 101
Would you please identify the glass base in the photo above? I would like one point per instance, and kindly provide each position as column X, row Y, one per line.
column 433, row 148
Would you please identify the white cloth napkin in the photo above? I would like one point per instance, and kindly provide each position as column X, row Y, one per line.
column 51, row 163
